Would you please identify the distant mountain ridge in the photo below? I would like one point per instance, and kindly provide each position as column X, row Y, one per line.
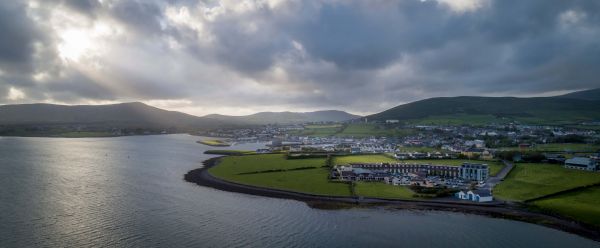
column 134, row 114
column 577, row 106
column 140, row 115
column 262, row 118
column 591, row 95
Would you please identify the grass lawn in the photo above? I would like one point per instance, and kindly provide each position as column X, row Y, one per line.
column 459, row 119
column 323, row 126
column 567, row 147
column 319, row 130
column 370, row 158
column 495, row 166
column 560, row 147
column 581, row 205
column 528, row 181
column 419, row 149
column 382, row 190
column 229, row 152
column 368, row 130
column 213, row 142
column 263, row 162
column 314, row 181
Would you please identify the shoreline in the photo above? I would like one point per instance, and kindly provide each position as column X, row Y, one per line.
column 517, row 212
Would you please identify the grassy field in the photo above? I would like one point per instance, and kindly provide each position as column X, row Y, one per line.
column 382, row 190
column 495, row 166
column 581, row 205
column 528, row 181
column 361, row 130
column 263, row 162
column 213, row 142
column 319, row 130
column 229, row 152
column 370, row 158
column 419, row 149
column 314, row 181
column 459, row 119
column 562, row 147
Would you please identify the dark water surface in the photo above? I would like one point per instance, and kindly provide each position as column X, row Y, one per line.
column 129, row 192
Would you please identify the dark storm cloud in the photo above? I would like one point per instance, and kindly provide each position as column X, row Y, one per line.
column 18, row 35
column 83, row 6
column 142, row 16
column 357, row 55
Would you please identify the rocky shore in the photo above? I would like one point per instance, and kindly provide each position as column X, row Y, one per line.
column 202, row 177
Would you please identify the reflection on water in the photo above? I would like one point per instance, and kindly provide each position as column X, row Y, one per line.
column 129, row 191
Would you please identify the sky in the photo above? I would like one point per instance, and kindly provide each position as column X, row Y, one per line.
column 240, row 56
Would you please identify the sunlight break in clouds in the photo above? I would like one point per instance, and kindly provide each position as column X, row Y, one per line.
column 256, row 55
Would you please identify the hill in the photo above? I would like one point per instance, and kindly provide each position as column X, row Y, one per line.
column 590, row 95
column 480, row 110
column 122, row 115
column 286, row 117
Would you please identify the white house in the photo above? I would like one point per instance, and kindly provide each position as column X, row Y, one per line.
column 475, row 195
column 461, row 195
column 480, row 195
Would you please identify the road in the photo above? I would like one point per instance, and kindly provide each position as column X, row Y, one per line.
column 494, row 180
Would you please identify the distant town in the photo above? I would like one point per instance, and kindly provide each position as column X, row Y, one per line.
column 435, row 145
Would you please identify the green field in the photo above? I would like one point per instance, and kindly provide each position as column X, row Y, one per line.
column 229, row 152
column 495, row 166
column 313, row 181
column 371, row 158
column 319, row 130
column 559, row 147
column 581, row 205
column 528, row 181
column 213, row 142
column 382, row 190
column 263, row 162
column 419, row 149
column 459, row 119
column 361, row 130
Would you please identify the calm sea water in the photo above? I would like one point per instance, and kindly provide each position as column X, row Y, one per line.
column 129, row 192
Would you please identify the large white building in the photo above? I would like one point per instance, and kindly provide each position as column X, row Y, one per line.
column 476, row 172
column 581, row 163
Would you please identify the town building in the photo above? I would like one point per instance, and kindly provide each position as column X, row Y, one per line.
column 475, row 172
column 582, row 163
column 475, row 195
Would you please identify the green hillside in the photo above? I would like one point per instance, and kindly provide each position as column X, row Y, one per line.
column 482, row 110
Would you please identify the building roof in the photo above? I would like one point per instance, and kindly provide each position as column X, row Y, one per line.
column 482, row 193
column 474, row 166
column 361, row 171
column 579, row 161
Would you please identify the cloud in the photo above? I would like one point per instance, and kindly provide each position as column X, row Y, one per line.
column 259, row 55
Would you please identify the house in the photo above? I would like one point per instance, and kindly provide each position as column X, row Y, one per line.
column 480, row 195
column 473, row 152
column 397, row 180
column 461, row 195
column 555, row 158
column 475, row 195
column 392, row 121
column 475, row 143
column 402, row 155
column 581, row 163
column 486, row 155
